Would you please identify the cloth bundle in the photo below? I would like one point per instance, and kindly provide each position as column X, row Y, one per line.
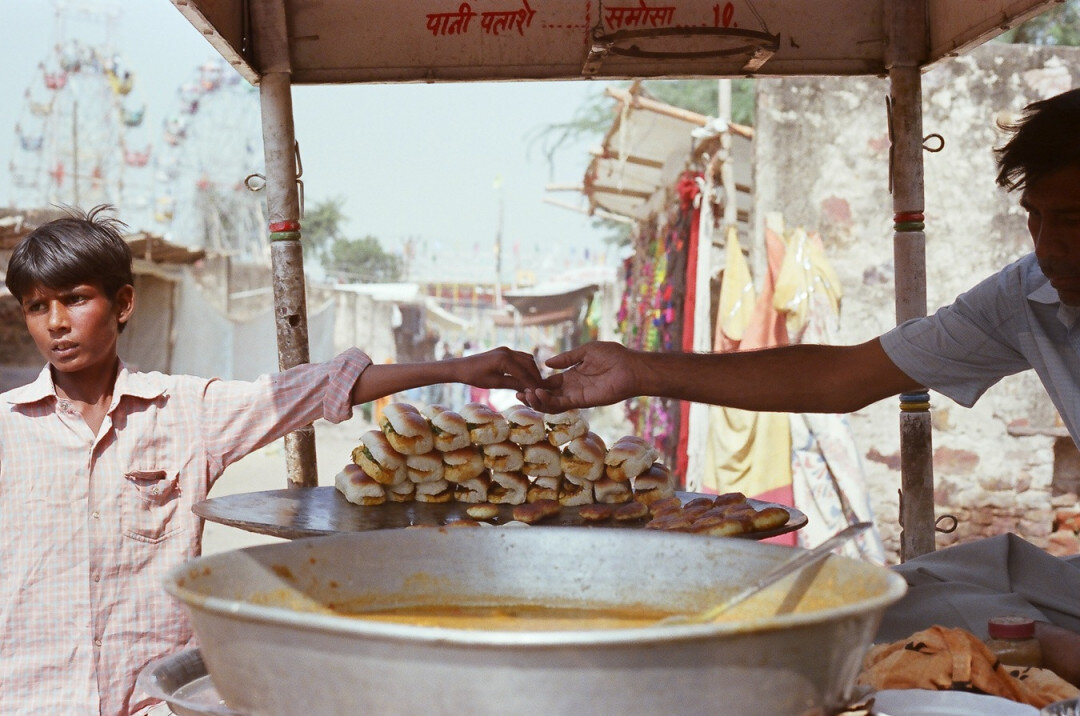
column 940, row 658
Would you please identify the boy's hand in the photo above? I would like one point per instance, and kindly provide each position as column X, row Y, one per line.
column 501, row 368
column 599, row 373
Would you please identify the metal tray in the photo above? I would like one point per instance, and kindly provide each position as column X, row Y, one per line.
column 181, row 680
column 323, row 510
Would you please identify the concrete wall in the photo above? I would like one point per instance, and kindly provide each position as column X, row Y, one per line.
column 821, row 158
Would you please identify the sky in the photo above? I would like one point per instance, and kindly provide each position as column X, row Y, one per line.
column 444, row 165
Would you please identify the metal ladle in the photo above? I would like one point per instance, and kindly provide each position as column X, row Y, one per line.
column 800, row 561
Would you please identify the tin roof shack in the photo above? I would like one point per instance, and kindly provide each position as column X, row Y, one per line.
column 822, row 158
column 148, row 341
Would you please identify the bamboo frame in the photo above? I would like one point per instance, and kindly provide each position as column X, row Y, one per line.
column 908, row 46
column 283, row 205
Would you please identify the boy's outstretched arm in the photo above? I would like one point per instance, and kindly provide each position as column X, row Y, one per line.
column 497, row 368
column 801, row 379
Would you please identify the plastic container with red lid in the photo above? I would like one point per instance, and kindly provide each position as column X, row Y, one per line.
column 1013, row 640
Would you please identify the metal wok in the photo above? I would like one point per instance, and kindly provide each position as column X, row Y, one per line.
column 272, row 646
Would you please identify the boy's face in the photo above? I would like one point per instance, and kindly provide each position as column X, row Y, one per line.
column 76, row 328
column 1053, row 206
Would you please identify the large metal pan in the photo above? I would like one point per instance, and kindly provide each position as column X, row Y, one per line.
column 271, row 648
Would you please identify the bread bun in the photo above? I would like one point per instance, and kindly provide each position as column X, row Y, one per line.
column 473, row 490
column 486, row 425
column 541, row 460
column 536, row 511
column 483, row 511
column 463, row 464
column 358, row 487
column 629, row 457
column 582, row 459
column 507, row 488
column 612, row 492
column 564, row 427
column 526, row 424
column 564, row 418
column 448, row 429
column 406, row 429
column 438, row 491
column 544, row 488
column 403, row 491
column 424, row 468
column 379, row 459
column 573, row 495
column 631, row 510
column 654, row 484
column 596, row 512
column 430, row 410
column 503, row 457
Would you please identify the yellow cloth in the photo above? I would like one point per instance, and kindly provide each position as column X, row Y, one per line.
column 747, row 452
column 737, row 295
column 805, row 271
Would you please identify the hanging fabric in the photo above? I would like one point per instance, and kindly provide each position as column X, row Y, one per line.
column 828, row 482
column 750, row 452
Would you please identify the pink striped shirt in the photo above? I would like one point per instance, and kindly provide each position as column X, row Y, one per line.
column 90, row 524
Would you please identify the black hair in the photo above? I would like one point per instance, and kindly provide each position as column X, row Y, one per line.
column 78, row 248
column 1045, row 139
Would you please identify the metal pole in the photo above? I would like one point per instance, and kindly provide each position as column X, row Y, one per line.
column 283, row 208
column 908, row 42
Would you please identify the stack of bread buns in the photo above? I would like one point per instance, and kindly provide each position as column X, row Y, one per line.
column 480, row 456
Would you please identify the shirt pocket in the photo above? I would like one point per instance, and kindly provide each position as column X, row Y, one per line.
column 150, row 502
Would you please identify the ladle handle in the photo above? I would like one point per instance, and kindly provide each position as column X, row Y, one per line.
column 782, row 570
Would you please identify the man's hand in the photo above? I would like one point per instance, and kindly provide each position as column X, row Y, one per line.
column 599, row 373
column 499, row 368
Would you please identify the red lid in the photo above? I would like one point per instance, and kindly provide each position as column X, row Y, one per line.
column 1011, row 627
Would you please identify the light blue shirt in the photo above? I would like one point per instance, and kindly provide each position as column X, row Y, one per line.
column 1009, row 322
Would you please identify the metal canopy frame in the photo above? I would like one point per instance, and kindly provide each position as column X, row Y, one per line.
column 277, row 43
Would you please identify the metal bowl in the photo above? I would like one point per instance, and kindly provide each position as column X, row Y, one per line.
column 271, row 646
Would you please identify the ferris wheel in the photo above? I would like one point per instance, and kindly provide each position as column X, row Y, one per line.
column 79, row 137
column 211, row 143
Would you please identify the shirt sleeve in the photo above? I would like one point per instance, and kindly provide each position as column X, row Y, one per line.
column 240, row 416
column 963, row 349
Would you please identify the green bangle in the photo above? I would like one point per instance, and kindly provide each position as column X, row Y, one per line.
column 909, row 226
column 284, row 235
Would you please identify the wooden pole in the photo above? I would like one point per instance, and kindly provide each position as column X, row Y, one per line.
column 908, row 47
column 283, row 206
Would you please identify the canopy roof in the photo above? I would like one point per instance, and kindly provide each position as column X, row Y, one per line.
column 343, row 41
column 647, row 146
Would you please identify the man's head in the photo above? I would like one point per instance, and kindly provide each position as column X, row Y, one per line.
column 1044, row 140
column 1042, row 159
column 79, row 248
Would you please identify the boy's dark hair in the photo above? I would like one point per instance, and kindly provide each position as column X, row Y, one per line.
column 1045, row 139
column 79, row 248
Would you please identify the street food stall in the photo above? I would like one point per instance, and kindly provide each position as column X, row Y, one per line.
column 275, row 45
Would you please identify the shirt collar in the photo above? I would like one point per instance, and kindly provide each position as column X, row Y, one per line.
column 1047, row 294
column 138, row 385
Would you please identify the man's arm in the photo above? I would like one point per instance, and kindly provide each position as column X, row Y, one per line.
column 497, row 368
column 800, row 379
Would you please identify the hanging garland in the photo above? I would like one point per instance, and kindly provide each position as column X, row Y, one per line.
column 650, row 316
